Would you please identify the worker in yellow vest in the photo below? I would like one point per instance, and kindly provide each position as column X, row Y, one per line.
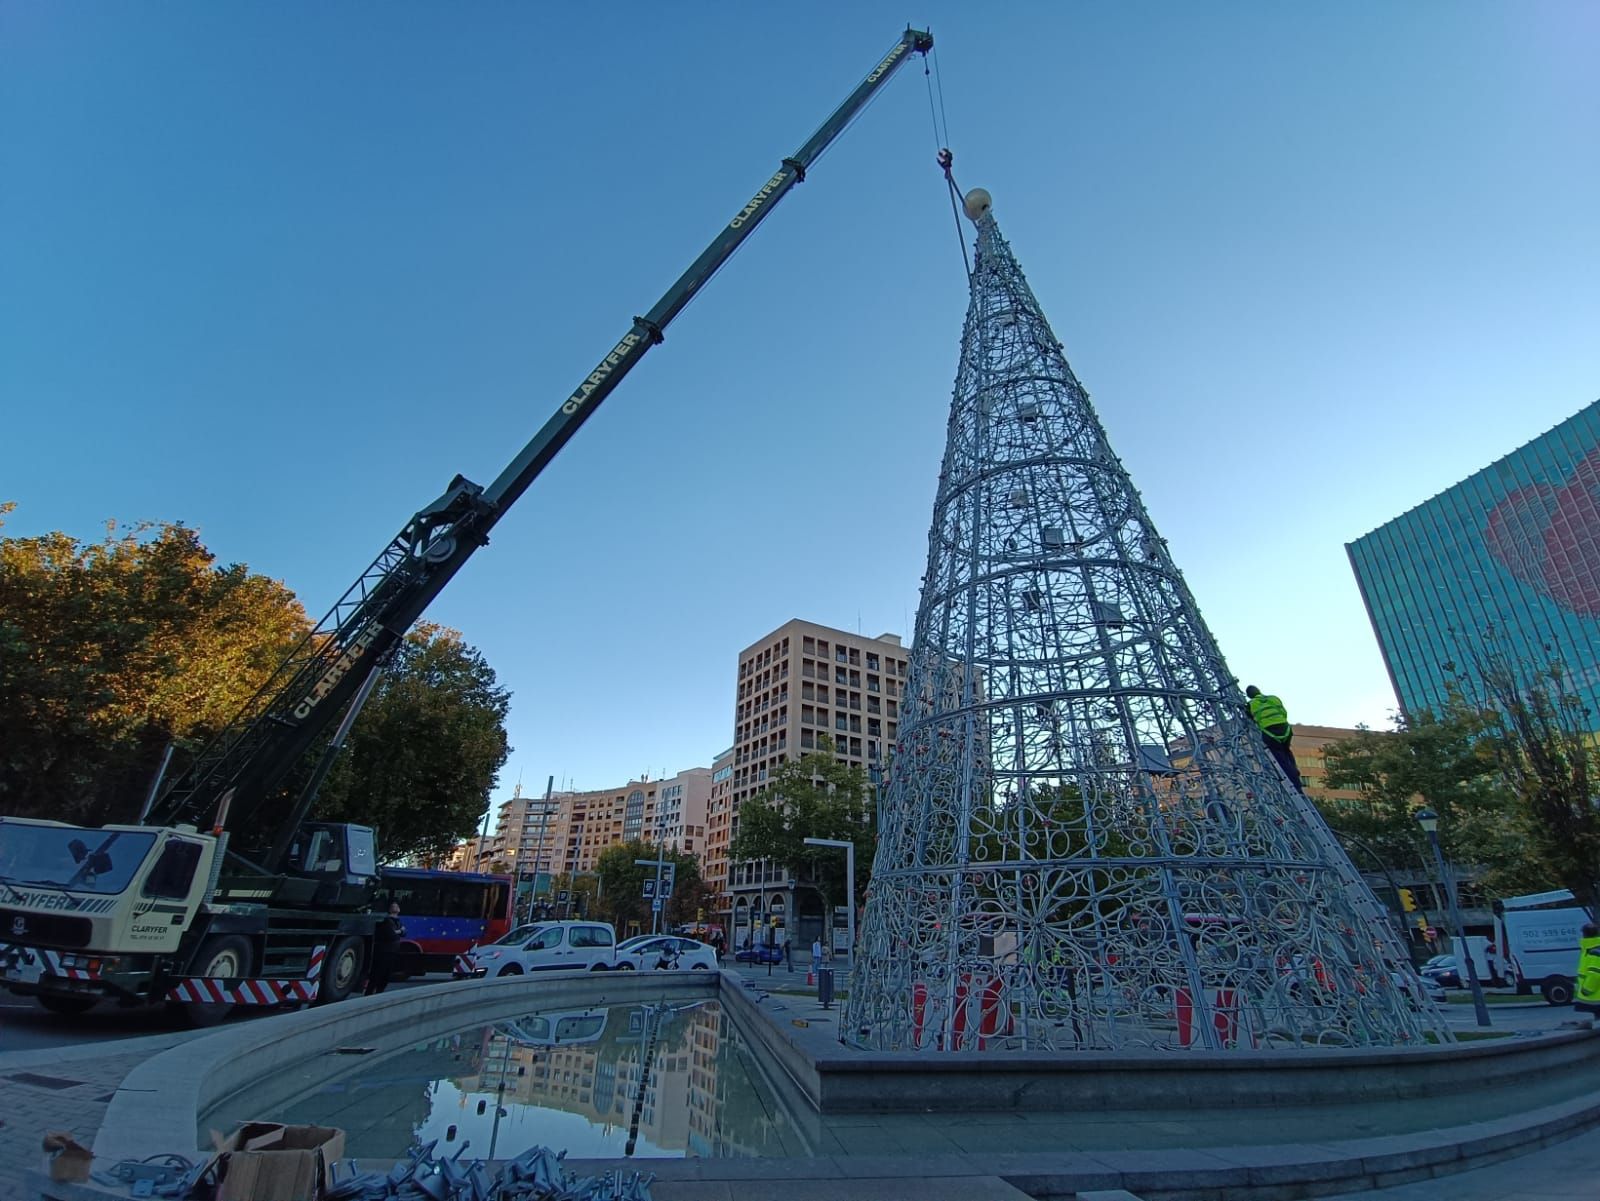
column 1587, row 999
column 1272, row 719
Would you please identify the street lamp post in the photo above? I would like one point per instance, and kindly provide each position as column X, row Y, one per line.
column 1429, row 821
column 849, row 886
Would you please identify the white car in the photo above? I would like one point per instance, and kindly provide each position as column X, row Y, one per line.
column 666, row 952
column 544, row 947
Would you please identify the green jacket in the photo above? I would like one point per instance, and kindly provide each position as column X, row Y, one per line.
column 1588, row 971
column 1271, row 716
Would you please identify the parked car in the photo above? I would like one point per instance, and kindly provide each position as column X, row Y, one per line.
column 1443, row 970
column 543, row 947
column 759, row 954
column 1430, row 989
column 666, row 951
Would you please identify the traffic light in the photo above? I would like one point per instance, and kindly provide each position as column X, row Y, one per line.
column 699, row 915
column 1408, row 900
column 1422, row 923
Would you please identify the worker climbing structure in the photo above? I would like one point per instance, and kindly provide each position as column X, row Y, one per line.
column 1084, row 844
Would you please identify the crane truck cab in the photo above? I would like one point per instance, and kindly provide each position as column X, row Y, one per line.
column 126, row 913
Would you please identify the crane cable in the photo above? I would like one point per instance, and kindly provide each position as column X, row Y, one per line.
column 942, row 141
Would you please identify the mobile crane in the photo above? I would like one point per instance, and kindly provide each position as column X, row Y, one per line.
column 167, row 910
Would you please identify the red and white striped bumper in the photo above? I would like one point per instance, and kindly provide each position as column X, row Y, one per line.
column 206, row 990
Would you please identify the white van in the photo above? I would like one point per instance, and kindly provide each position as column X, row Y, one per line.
column 1537, row 937
column 543, row 947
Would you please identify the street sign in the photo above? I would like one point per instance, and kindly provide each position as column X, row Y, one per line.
column 563, row 896
column 649, row 889
column 655, row 905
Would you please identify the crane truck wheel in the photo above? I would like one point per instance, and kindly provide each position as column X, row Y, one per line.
column 68, row 1007
column 341, row 971
column 221, row 957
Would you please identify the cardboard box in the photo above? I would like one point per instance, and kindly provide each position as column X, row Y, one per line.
column 268, row 1161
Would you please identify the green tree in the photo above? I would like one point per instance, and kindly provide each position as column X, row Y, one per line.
column 111, row 649
column 622, row 880
column 426, row 749
column 815, row 796
column 582, row 889
column 1541, row 735
column 1443, row 762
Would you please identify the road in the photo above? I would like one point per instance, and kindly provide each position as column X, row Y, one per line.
column 1530, row 1015
column 24, row 1026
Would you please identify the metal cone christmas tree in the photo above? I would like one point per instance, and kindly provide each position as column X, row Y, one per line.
column 1083, row 842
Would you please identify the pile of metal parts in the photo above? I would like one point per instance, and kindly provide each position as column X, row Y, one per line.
column 536, row 1175
column 157, row 1176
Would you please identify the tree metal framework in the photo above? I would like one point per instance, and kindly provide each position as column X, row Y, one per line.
column 1084, row 844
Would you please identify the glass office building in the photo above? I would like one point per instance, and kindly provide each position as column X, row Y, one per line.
column 1515, row 548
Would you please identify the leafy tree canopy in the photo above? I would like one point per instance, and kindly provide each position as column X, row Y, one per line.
column 1446, row 762
column 622, row 880
column 109, row 650
column 1541, row 736
column 815, row 796
column 426, row 749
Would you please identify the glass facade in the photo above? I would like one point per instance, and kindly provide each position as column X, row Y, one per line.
column 1515, row 547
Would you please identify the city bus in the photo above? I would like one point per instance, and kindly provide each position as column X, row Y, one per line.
column 444, row 914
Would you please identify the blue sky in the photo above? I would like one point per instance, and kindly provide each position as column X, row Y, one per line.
column 280, row 270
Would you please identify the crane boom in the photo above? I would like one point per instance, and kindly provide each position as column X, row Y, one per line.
column 319, row 679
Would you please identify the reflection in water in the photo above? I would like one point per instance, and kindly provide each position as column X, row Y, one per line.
column 668, row 1079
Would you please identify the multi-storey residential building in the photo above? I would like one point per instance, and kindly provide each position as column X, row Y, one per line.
column 796, row 687
column 719, row 819
column 568, row 831
column 474, row 855
column 526, row 831
column 681, row 811
column 1514, row 548
column 592, row 821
